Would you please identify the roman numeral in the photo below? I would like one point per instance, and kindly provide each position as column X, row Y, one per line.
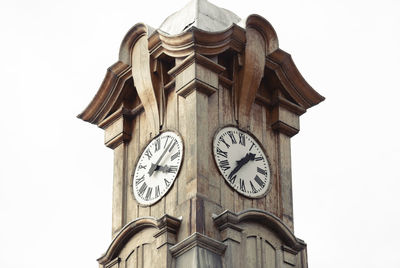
column 148, row 154
column 232, row 179
column 172, row 146
column 226, row 144
column 166, row 141
column 232, row 136
column 259, row 181
column 259, row 158
column 251, row 147
column 174, row 156
column 261, row 171
column 242, row 187
column 222, row 153
column 148, row 194
column 157, row 191
column 142, row 167
column 253, row 188
column 224, row 165
column 242, row 140
column 140, row 180
column 172, row 169
column 167, row 183
column 157, row 145
column 142, row 189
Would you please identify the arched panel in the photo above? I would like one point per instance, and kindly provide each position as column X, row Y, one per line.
column 259, row 253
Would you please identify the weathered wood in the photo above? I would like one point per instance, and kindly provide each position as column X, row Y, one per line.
column 226, row 117
column 143, row 79
column 133, row 155
column 196, row 83
column 118, row 203
column 251, row 75
column 144, row 138
column 211, row 172
column 257, row 125
column 172, row 123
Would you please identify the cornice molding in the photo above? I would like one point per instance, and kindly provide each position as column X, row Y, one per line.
column 201, row 60
column 291, row 80
column 195, row 42
column 110, row 89
column 198, row 240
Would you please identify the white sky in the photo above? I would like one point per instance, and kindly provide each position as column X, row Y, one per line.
column 56, row 174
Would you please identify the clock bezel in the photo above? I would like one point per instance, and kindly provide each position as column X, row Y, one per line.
column 261, row 147
column 137, row 162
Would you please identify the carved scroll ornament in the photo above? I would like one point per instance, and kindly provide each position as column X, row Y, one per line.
column 146, row 83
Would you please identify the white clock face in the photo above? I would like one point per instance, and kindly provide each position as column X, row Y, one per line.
column 242, row 162
column 157, row 168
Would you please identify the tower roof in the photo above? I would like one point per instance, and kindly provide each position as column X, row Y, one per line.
column 200, row 14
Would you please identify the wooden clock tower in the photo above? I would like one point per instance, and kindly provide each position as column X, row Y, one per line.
column 199, row 114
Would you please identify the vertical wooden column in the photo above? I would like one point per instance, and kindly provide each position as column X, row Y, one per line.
column 196, row 78
column 116, row 135
column 286, row 122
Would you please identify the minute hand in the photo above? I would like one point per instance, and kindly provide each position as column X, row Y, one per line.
column 154, row 166
column 241, row 163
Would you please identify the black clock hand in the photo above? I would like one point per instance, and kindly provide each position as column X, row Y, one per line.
column 154, row 166
column 162, row 168
column 241, row 163
column 165, row 169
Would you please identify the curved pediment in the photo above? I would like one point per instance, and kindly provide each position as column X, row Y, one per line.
column 164, row 224
column 233, row 220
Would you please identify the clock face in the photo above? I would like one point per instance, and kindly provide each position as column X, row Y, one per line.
column 157, row 168
column 242, row 162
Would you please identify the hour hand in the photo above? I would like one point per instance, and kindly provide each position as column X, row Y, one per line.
column 161, row 168
column 165, row 169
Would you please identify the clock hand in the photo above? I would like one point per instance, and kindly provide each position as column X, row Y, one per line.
column 164, row 169
column 154, row 166
column 241, row 163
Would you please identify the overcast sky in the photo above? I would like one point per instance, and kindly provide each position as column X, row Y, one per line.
column 56, row 174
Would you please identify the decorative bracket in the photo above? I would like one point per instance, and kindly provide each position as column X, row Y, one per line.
column 147, row 83
column 261, row 40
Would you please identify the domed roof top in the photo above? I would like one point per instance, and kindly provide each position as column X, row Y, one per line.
column 200, row 14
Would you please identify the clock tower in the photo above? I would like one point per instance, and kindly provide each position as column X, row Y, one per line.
column 199, row 114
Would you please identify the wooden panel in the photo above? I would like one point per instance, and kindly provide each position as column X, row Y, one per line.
column 133, row 153
column 210, row 209
column 144, row 138
column 256, row 127
column 268, row 255
column 202, row 143
column 251, row 252
column 147, row 256
column 286, row 179
column 183, row 176
column 225, row 112
column 171, row 116
column 270, row 142
column 190, row 129
column 118, row 190
column 214, row 189
column 171, row 122
column 131, row 260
